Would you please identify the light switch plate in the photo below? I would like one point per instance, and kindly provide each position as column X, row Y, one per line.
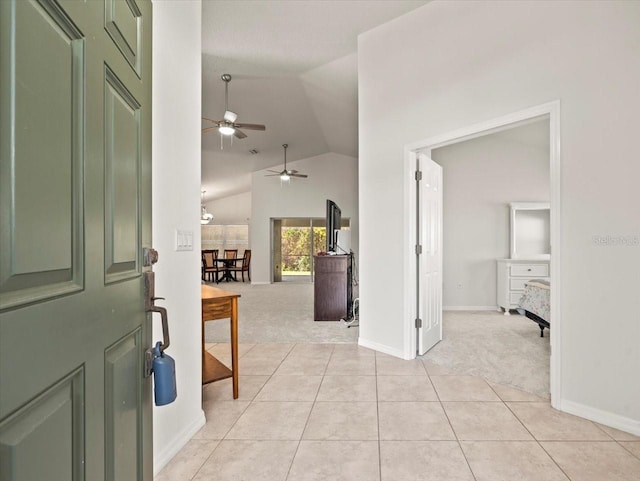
column 184, row 240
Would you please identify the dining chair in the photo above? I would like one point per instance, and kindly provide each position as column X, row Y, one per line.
column 246, row 261
column 231, row 255
column 209, row 264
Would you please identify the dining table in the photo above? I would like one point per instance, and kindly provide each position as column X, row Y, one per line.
column 227, row 264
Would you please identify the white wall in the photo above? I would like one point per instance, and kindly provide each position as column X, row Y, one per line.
column 331, row 176
column 176, row 205
column 448, row 65
column 480, row 178
column 232, row 210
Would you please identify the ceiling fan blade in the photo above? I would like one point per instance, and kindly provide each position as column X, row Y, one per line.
column 230, row 116
column 299, row 175
column 210, row 120
column 239, row 134
column 251, row 126
column 274, row 171
column 273, row 175
column 208, row 129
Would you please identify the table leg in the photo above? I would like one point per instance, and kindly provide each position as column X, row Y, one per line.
column 234, row 346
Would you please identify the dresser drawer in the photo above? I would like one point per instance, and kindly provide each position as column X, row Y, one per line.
column 514, row 297
column 529, row 270
column 517, row 283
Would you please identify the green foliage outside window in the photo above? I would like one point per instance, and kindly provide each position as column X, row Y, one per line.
column 296, row 247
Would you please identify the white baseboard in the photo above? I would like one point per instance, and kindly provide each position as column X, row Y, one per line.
column 470, row 308
column 622, row 423
column 381, row 348
column 161, row 459
column 259, row 283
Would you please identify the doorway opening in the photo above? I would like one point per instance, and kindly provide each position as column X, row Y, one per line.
column 415, row 305
column 295, row 240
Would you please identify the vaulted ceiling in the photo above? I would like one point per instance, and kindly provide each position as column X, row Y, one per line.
column 294, row 68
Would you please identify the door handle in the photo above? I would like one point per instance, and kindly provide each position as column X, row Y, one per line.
column 165, row 325
column 149, row 354
column 150, row 307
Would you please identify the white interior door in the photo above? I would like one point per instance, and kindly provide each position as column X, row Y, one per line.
column 430, row 263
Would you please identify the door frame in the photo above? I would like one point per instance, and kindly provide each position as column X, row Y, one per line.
column 550, row 110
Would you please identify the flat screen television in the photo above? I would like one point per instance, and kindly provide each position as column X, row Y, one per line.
column 334, row 223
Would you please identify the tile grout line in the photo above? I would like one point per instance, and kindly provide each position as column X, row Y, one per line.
column 219, row 440
column 234, row 423
column 464, row 455
column 532, row 435
column 375, row 371
column 626, row 449
column 293, row 458
column 552, row 459
column 270, row 376
column 251, row 401
column 205, row 461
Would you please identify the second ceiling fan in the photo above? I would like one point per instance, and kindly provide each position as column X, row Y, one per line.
column 228, row 125
column 285, row 174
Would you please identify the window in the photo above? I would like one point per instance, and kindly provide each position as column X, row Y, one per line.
column 226, row 237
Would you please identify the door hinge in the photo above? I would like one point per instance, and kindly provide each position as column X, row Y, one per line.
column 418, row 323
column 418, row 249
column 418, row 175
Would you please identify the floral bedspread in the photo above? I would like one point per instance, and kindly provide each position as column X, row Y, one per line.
column 536, row 299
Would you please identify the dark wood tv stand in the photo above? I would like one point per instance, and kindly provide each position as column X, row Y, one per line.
column 332, row 287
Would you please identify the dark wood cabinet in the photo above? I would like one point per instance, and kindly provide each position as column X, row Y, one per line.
column 332, row 287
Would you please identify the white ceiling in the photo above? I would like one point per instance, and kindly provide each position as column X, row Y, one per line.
column 294, row 69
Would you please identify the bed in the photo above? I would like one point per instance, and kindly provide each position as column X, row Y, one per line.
column 535, row 303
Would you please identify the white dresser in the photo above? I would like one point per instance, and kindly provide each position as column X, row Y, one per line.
column 512, row 275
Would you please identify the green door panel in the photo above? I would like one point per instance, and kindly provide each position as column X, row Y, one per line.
column 53, row 423
column 122, row 180
column 42, row 154
column 75, row 214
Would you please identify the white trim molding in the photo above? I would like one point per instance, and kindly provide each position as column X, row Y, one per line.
column 550, row 110
column 376, row 346
column 622, row 423
column 177, row 443
column 471, row 308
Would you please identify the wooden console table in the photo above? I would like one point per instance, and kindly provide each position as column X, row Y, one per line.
column 220, row 304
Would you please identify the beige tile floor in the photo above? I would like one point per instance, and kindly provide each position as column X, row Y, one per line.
column 316, row 412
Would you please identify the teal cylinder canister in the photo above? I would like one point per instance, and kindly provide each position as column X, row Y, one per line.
column 164, row 377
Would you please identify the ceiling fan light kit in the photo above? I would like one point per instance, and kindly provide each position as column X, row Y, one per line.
column 226, row 130
column 285, row 174
column 228, row 126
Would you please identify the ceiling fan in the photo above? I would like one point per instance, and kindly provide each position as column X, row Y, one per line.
column 285, row 174
column 228, row 126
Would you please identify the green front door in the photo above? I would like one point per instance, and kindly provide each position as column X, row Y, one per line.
column 75, row 215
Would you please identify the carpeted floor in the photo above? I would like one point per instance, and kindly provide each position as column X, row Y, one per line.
column 279, row 312
column 503, row 349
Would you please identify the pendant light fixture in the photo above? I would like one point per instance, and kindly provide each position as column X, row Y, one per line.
column 205, row 217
